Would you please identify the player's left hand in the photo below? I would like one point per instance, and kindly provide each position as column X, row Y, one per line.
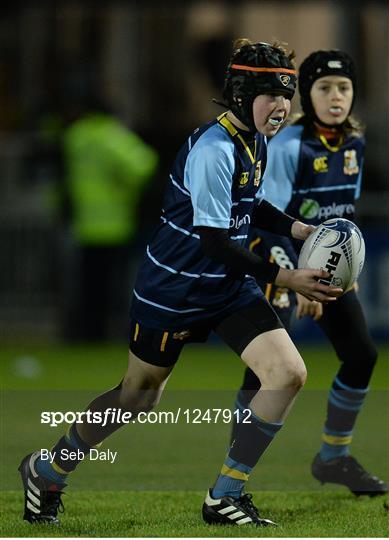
column 301, row 231
column 308, row 307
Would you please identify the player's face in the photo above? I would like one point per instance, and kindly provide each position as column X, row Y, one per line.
column 332, row 97
column 270, row 112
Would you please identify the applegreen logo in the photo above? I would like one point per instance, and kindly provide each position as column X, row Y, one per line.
column 309, row 208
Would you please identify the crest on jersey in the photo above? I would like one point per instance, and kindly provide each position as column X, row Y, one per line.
column 320, row 164
column 244, row 178
column 285, row 79
column 257, row 175
column 350, row 165
column 281, row 298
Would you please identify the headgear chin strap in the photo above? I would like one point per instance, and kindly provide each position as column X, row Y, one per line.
column 256, row 69
column 320, row 64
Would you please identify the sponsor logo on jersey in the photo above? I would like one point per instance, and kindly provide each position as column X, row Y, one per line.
column 257, row 175
column 320, row 164
column 310, row 209
column 281, row 257
column 244, row 178
column 237, row 222
column 350, row 165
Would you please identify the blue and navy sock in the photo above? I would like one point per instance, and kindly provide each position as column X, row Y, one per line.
column 58, row 471
column 251, row 441
column 344, row 404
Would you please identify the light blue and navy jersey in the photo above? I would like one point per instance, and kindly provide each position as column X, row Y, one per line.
column 311, row 180
column 213, row 183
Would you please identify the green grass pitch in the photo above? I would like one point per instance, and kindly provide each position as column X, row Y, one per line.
column 157, row 484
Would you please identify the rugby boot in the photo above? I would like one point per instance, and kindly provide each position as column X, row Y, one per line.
column 347, row 471
column 42, row 498
column 229, row 511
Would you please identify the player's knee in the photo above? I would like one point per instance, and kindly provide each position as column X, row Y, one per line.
column 291, row 373
column 295, row 375
column 300, row 376
column 142, row 399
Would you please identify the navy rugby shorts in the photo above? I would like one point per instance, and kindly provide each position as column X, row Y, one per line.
column 162, row 348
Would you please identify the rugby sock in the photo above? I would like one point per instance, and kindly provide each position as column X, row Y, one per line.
column 344, row 404
column 251, row 441
column 58, row 471
column 46, row 469
column 242, row 403
column 231, row 479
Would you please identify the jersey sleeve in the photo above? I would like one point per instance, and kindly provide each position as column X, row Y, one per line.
column 208, row 176
column 281, row 168
column 359, row 182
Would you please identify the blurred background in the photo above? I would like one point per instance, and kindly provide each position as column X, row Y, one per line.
column 148, row 72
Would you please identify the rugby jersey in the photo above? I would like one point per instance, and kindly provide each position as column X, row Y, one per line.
column 214, row 182
column 310, row 180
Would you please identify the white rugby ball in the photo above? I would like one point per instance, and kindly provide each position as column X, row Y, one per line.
column 337, row 246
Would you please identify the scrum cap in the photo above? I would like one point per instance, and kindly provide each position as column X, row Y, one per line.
column 254, row 69
column 320, row 64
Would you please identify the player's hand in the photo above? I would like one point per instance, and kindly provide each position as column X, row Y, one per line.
column 301, row 231
column 308, row 308
column 305, row 282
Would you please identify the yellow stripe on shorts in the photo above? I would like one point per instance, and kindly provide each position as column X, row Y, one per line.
column 164, row 340
column 136, row 331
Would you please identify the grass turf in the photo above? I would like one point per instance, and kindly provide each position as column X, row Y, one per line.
column 178, row 514
column 184, row 457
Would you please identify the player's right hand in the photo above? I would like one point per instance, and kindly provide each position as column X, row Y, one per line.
column 305, row 281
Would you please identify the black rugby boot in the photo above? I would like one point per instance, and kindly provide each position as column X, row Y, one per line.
column 347, row 471
column 229, row 511
column 42, row 498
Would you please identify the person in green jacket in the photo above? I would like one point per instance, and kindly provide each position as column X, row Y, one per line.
column 106, row 169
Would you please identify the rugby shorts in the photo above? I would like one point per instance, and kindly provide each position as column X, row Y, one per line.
column 163, row 347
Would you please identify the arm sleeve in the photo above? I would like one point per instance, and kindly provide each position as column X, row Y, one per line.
column 268, row 217
column 218, row 246
column 208, row 177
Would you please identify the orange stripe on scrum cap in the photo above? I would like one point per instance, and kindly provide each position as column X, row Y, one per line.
column 264, row 70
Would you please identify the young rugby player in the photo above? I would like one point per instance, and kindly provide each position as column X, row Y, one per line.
column 197, row 277
column 314, row 173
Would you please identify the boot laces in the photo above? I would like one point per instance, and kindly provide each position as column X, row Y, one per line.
column 356, row 468
column 245, row 501
column 53, row 503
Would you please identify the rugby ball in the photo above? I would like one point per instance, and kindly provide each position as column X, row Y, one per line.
column 337, row 246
